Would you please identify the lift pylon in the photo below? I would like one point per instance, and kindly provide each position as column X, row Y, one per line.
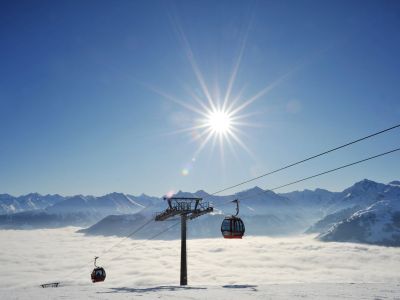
column 187, row 208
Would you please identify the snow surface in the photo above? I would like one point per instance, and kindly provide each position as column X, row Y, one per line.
column 226, row 292
column 255, row 267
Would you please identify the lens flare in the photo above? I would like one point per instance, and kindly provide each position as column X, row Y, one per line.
column 170, row 193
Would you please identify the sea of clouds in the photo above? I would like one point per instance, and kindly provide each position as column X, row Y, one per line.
column 32, row 257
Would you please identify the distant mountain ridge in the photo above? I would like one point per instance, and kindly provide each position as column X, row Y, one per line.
column 366, row 212
column 58, row 211
column 10, row 204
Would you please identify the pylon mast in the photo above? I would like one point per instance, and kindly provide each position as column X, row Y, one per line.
column 187, row 208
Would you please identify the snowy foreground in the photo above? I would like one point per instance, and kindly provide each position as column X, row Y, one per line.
column 255, row 267
column 274, row 291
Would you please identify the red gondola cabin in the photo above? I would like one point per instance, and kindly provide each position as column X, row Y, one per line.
column 232, row 228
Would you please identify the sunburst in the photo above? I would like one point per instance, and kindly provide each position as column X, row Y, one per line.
column 219, row 125
column 219, row 122
column 221, row 119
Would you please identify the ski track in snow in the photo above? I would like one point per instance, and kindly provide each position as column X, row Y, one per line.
column 255, row 267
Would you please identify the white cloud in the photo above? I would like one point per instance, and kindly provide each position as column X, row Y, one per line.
column 32, row 257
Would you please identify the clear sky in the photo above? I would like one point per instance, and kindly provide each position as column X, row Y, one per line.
column 97, row 96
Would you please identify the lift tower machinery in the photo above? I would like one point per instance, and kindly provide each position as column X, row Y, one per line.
column 186, row 208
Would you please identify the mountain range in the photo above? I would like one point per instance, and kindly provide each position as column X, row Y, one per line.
column 49, row 211
column 366, row 212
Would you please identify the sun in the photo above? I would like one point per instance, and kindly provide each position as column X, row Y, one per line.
column 219, row 117
column 220, row 111
column 219, row 122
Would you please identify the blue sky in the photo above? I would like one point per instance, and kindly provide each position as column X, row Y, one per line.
column 81, row 109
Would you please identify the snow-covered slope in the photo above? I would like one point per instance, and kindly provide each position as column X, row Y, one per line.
column 328, row 221
column 313, row 204
column 357, row 198
column 361, row 194
column 377, row 224
column 114, row 203
column 144, row 200
column 256, row 201
column 394, row 183
column 316, row 199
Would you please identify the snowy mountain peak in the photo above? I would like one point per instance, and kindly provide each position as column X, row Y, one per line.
column 143, row 195
column 365, row 186
column 395, row 183
column 77, row 198
column 254, row 190
column 202, row 193
column 5, row 196
column 33, row 195
column 115, row 194
column 318, row 190
column 199, row 193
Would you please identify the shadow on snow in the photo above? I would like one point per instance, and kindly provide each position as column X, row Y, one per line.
column 241, row 286
column 152, row 289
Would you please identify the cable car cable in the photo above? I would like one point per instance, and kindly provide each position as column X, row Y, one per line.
column 118, row 243
column 232, row 227
column 324, row 172
column 306, row 159
column 129, row 235
column 151, row 238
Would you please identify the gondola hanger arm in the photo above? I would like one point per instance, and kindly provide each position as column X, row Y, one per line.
column 237, row 206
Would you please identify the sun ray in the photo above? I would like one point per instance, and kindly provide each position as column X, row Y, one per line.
column 200, row 135
column 234, row 101
column 231, row 148
column 221, row 152
column 190, row 55
column 235, row 68
column 263, row 91
column 246, row 116
column 199, row 101
column 183, row 130
column 214, row 142
column 176, row 100
column 239, row 141
column 248, row 124
column 204, row 142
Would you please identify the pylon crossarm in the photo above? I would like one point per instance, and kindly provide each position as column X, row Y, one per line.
column 199, row 213
column 167, row 214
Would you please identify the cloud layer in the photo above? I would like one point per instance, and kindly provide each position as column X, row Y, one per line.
column 32, row 257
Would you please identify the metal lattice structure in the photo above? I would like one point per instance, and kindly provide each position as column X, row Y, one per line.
column 187, row 208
